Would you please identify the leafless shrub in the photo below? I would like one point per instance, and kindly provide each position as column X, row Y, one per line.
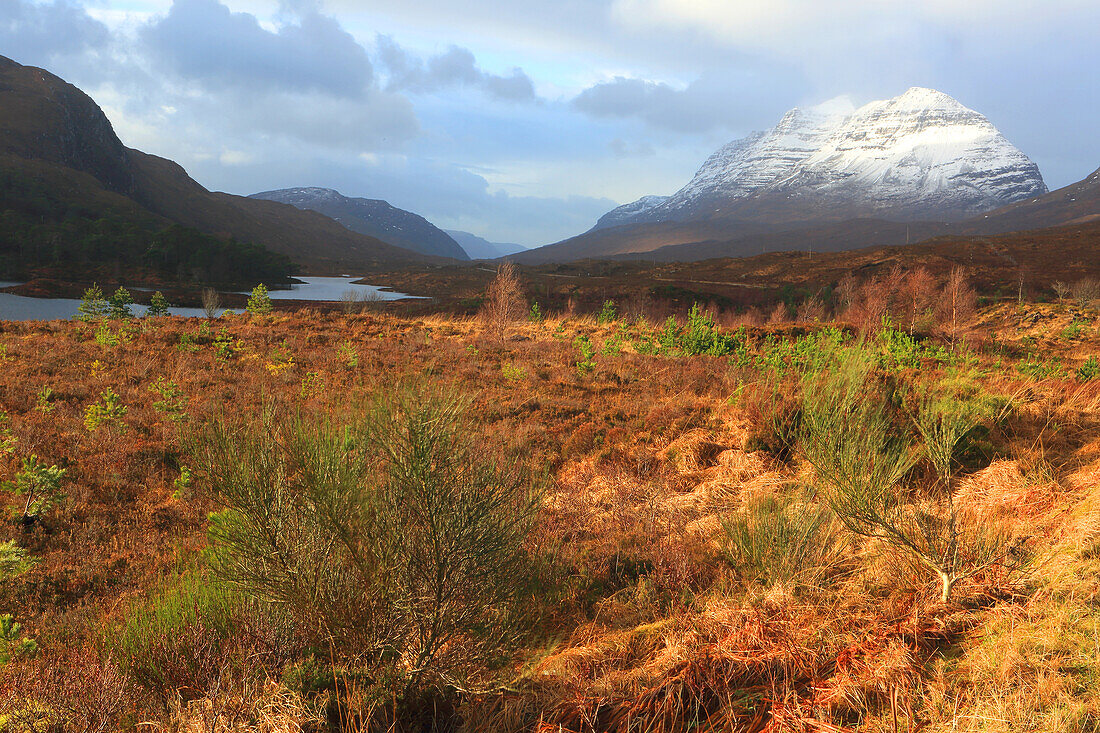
column 504, row 301
column 353, row 302
column 870, row 301
column 811, row 309
column 1086, row 291
column 846, row 291
column 779, row 314
column 752, row 318
column 958, row 304
column 211, row 301
column 917, row 299
column 80, row 692
column 1061, row 290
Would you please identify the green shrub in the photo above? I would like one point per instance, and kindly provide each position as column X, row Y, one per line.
column 119, row 304
column 645, row 346
column 608, row 312
column 171, row 399
column 702, row 336
column 512, row 372
column 11, row 645
column 225, row 346
column 613, row 344
column 1089, row 370
column 852, row 433
column 158, row 306
column 259, row 302
column 535, row 315
column 390, row 535
column 44, row 399
column 810, row 353
column 669, row 338
column 585, row 364
column 180, row 639
column 7, row 438
column 775, row 540
column 40, row 484
column 901, row 351
column 109, row 410
column 348, row 354
column 187, row 343
column 1073, row 331
column 108, row 338
column 93, row 306
column 1038, row 369
column 14, row 560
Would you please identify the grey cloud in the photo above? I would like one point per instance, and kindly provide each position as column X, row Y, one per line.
column 456, row 67
column 202, row 40
column 378, row 121
column 35, row 34
column 622, row 149
column 714, row 100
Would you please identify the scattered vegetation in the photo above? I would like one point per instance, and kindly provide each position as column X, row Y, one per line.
column 870, row 518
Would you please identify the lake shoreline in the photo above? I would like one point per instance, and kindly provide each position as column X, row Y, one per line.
column 26, row 301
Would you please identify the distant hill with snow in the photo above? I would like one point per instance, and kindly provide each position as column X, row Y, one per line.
column 921, row 156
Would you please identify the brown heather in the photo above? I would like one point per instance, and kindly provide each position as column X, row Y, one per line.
column 642, row 608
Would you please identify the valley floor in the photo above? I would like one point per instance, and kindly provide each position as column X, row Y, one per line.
column 684, row 568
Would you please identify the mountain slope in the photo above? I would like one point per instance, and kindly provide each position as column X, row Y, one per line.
column 479, row 248
column 45, row 118
column 627, row 213
column 1077, row 203
column 373, row 217
column 919, row 157
column 57, row 141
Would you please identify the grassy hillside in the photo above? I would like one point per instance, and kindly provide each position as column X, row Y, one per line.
column 55, row 219
column 676, row 552
column 72, row 191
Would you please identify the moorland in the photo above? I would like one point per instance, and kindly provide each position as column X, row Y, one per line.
column 874, row 507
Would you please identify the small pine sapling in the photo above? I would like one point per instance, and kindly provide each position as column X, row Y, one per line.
column 259, row 302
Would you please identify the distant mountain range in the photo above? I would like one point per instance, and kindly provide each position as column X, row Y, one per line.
column 921, row 165
column 386, row 222
column 479, row 248
column 372, row 217
column 919, row 158
column 66, row 176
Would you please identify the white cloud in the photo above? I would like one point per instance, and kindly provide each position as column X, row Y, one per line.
column 800, row 26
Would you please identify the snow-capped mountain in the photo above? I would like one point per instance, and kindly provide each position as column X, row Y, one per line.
column 374, row 217
column 921, row 155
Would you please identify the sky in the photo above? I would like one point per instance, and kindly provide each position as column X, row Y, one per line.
column 525, row 120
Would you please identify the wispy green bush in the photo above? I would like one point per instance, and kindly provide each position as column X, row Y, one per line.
column 387, row 534
column 777, row 540
column 181, row 638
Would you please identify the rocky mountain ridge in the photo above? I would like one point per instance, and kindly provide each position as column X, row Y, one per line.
column 372, row 217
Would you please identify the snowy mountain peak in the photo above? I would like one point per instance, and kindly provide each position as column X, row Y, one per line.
column 920, row 155
column 919, row 98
